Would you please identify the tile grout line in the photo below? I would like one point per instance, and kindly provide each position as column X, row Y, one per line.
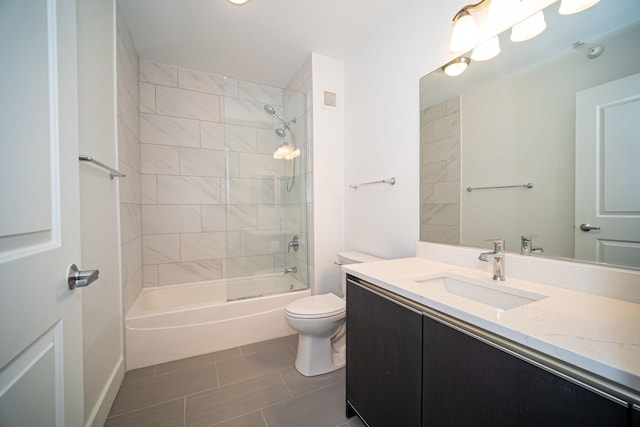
column 144, row 407
column 215, row 366
column 264, row 418
column 184, row 412
column 285, row 383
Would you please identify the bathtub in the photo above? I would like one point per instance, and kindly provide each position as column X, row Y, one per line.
column 176, row 321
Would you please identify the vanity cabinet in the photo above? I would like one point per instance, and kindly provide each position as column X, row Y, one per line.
column 408, row 365
column 384, row 359
column 470, row 382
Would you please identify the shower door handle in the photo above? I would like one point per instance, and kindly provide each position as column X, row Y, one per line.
column 81, row 278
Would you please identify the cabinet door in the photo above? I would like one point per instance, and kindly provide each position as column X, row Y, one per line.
column 384, row 359
column 470, row 383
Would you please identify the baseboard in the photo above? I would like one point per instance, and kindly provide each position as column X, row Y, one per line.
column 100, row 412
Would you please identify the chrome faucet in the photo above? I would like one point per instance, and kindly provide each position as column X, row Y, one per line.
column 288, row 270
column 498, row 260
column 526, row 245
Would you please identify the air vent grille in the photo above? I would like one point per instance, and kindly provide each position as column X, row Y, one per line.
column 330, row 100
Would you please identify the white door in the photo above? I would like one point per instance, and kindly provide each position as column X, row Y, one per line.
column 608, row 173
column 40, row 318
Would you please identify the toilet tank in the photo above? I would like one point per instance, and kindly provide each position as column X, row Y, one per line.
column 352, row 257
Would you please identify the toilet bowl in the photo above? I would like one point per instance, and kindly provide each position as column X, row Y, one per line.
column 320, row 322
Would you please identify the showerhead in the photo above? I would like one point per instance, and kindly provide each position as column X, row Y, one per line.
column 269, row 109
column 282, row 131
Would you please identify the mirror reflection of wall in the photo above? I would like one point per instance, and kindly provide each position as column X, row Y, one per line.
column 517, row 129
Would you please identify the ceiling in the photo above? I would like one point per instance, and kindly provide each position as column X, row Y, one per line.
column 264, row 41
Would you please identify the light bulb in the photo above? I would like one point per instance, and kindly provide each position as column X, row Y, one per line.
column 457, row 66
column 465, row 33
column 568, row 7
column 282, row 152
column 501, row 12
column 487, row 50
column 529, row 28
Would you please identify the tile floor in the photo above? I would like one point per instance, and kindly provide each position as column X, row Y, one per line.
column 255, row 385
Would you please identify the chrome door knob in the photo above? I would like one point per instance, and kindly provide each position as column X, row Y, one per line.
column 78, row 279
column 588, row 227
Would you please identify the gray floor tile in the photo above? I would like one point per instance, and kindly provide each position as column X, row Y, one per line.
column 319, row 408
column 254, row 419
column 138, row 374
column 264, row 345
column 192, row 362
column 225, row 403
column 168, row 414
column 299, row 384
column 255, row 364
column 161, row 388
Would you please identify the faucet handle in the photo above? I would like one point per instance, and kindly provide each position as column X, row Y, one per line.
column 498, row 244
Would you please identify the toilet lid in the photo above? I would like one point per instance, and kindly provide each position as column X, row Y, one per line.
column 317, row 306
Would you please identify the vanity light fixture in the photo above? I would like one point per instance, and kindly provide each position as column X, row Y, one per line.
column 282, row 151
column 530, row 27
column 465, row 30
column 568, row 7
column 457, row 66
column 238, row 2
column 487, row 50
column 286, row 151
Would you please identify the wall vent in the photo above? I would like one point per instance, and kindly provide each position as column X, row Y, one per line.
column 330, row 100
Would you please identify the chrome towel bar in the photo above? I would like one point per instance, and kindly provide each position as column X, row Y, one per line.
column 113, row 173
column 528, row 185
column 390, row 181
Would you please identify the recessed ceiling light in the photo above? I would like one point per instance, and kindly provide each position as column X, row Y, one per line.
column 238, row 2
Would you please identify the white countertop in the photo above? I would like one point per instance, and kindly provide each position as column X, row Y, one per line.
column 595, row 333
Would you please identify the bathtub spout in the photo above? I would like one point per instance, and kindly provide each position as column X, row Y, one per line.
column 290, row 270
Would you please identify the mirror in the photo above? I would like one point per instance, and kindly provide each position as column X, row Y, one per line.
column 511, row 121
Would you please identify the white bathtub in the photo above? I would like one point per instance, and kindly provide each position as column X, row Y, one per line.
column 177, row 321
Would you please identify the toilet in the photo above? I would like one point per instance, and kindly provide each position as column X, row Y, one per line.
column 320, row 322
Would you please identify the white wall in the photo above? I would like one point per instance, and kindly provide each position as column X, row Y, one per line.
column 382, row 126
column 101, row 301
column 328, row 172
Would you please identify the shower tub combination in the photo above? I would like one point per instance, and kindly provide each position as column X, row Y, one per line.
column 177, row 321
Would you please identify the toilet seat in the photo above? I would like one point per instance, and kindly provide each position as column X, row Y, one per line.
column 316, row 307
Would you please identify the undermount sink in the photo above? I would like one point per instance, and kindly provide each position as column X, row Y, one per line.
column 495, row 295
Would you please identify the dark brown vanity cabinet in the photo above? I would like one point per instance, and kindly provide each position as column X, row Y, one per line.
column 468, row 382
column 410, row 366
column 384, row 359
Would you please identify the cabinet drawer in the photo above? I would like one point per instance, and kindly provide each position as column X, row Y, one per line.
column 468, row 382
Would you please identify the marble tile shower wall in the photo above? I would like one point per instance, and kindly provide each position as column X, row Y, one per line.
column 440, row 172
column 214, row 201
column 129, row 163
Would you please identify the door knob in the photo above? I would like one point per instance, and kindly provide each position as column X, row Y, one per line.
column 588, row 227
column 80, row 278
